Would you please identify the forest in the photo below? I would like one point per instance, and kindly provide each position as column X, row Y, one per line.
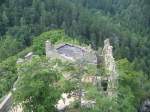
column 126, row 23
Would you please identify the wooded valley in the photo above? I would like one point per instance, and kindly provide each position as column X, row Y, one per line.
column 26, row 24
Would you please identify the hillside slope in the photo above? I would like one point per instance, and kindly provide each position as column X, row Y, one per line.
column 126, row 22
column 131, row 89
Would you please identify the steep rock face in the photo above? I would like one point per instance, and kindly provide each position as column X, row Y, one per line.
column 145, row 107
column 5, row 105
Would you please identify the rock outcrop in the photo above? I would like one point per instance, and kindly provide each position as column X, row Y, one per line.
column 145, row 106
column 5, row 105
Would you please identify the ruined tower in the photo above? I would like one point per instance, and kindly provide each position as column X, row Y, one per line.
column 48, row 49
column 110, row 69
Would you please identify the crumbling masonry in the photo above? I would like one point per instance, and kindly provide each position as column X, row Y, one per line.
column 106, row 58
column 110, row 69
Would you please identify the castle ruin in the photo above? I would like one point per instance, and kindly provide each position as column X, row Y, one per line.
column 110, row 69
column 73, row 52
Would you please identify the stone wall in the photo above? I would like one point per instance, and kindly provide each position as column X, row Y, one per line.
column 48, row 49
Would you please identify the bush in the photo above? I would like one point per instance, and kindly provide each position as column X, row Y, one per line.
column 55, row 36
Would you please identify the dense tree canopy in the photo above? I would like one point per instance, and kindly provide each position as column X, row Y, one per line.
column 37, row 88
column 125, row 22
